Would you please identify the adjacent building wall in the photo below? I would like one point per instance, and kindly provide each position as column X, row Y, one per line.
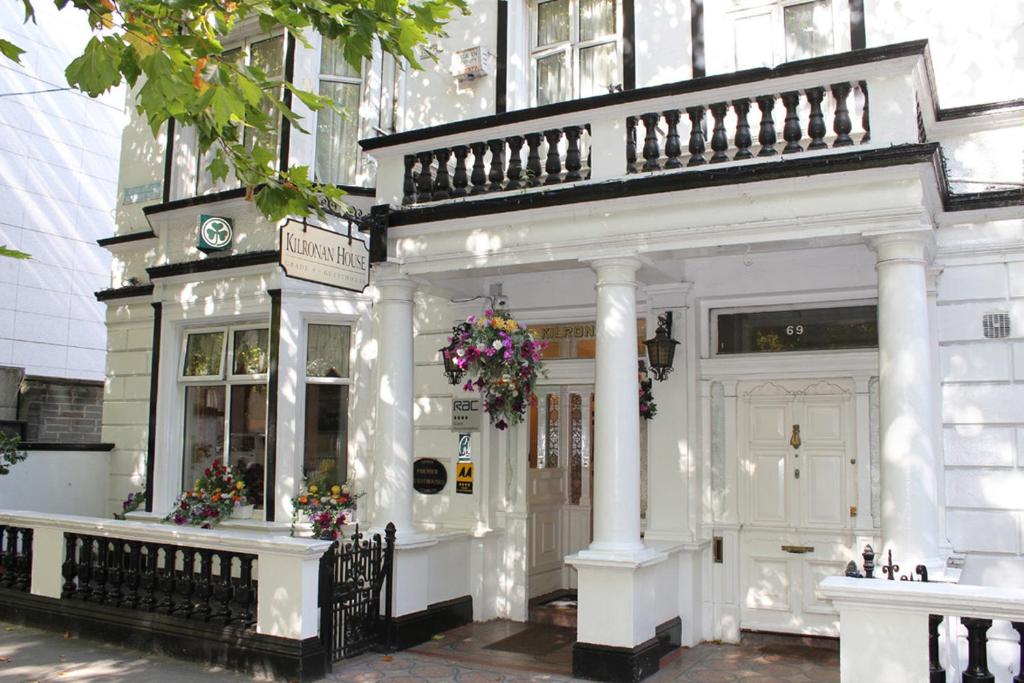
column 57, row 410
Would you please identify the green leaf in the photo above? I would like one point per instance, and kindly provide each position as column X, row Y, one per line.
column 226, row 105
column 11, row 51
column 98, row 68
column 13, row 253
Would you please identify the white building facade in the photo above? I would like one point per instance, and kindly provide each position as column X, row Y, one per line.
column 825, row 200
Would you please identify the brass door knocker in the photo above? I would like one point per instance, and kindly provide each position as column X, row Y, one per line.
column 794, row 440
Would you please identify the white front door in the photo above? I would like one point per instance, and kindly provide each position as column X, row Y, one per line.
column 797, row 473
column 558, row 485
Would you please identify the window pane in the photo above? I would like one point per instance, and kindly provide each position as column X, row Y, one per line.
column 808, row 29
column 268, row 55
column 250, row 352
column 337, row 135
column 754, row 41
column 809, row 329
column 326, row 434
column 204, row 431
column 247, row 442
column 597, row 18
column 332, row 61
column 552, row 79
column 203, row 353
column 552, row 22
column 599, row 69
column 327, row 351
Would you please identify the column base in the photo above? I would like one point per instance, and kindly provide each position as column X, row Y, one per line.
column 626, row 664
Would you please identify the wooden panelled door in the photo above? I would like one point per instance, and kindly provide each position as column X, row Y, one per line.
column 797, row 477
column 558, row 484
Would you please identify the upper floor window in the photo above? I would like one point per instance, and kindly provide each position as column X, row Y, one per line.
column 576, row 49
column 337, row 133
column 771, row 33
column 266, row 54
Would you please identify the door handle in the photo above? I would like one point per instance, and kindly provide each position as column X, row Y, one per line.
column 798, row 549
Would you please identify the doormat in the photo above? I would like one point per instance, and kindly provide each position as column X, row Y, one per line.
column 538, row 640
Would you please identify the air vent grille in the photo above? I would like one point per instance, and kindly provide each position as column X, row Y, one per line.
column 996, row 325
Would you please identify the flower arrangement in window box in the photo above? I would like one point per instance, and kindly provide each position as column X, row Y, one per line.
column 131, row 503
column 328, row 509
column 216, row 495
column 648, row 408
column 502, row 360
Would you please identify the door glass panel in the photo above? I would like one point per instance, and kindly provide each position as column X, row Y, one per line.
column 576, row 426
column 808, row 29
column 552, row 79
column 597, row 18
column 204, row 430
column 552, row 22
column 326, row 442
column 247, row 444
column 599, row 69
column 553, row 432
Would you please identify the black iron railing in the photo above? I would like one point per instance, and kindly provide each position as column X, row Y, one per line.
column 201, row 584
column 15, row 558
column 353, row 574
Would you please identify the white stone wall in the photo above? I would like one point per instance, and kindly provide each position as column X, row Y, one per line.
column 58, row 181
column 983, row 417
column 58, row 482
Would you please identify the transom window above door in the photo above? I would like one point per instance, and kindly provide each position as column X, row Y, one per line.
column 576, row 49
column 771, row 33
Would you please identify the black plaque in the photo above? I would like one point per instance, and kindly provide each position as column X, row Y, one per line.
column 429, row 476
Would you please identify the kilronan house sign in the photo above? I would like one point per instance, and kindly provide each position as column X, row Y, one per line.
column 324, row 256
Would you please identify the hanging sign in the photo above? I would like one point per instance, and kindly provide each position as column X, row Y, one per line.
column 429, row 476
column 464, row 477
column 466, row 413
column 215, row 233
column 323, row 256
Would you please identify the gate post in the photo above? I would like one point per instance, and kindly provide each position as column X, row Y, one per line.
column 289, row 591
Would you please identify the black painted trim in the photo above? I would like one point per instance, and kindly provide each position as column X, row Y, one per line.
column 54, row 446
column 858, row 33
column 357, row 191
column 843, row 59
column 621, row 664
column 124, row 239
column 233, row 193
column 192, row 640
column 973, row 110
column 285, row 141
column 168, row 161
column 206, row 265
column 409, row 630
column 154, row 393
column 657, row 183
column 628, row 45
column 698, row 61
column 273, row 382
column 501, row 77
column 993, row 199
column 129, row 292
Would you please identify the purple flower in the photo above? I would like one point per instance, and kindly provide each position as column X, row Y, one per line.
column 468, row 386
column 501, row 424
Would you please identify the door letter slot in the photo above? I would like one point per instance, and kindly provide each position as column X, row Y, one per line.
column 798, row 549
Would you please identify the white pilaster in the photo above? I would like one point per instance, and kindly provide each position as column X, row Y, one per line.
column 393, row 450
column 909, row 489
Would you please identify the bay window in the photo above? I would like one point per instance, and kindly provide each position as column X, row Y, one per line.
column 576, row 49
column 224, row 377
column 325, row 433
column 337, row 133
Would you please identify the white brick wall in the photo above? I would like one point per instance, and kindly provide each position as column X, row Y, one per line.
column 59, row 155
column 983, row 414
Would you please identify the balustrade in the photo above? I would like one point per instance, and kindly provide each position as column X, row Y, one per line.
column 203, row 584
column 15, row 558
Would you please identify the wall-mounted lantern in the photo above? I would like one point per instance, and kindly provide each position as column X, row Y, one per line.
column 451, row 368
column 661, row 350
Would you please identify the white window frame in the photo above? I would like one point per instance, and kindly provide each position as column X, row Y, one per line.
column 356, row 118
column 776, row 10
column 571, row 48
column 324, row 319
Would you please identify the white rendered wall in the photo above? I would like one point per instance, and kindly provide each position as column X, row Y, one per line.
column 58, row 180
column 60, row 482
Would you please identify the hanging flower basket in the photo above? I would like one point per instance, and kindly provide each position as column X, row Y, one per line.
column 501, row 359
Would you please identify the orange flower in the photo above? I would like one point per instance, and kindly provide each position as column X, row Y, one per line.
column 216, row 497
column 303, row 500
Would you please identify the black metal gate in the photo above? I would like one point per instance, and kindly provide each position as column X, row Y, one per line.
column 353, row 572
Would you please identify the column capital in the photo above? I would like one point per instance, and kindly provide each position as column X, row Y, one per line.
column 916, row 245
column 391, row 283
column 615, row 269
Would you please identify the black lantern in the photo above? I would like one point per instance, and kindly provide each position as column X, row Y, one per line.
column 662, row 348
column 451, row 368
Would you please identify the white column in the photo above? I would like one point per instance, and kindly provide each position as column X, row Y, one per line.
column 909, row 490
column 616, row 418
column 393, row 452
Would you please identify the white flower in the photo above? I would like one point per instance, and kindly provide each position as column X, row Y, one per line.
column 496, row 344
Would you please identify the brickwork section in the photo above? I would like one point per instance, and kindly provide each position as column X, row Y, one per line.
column 61, row 410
